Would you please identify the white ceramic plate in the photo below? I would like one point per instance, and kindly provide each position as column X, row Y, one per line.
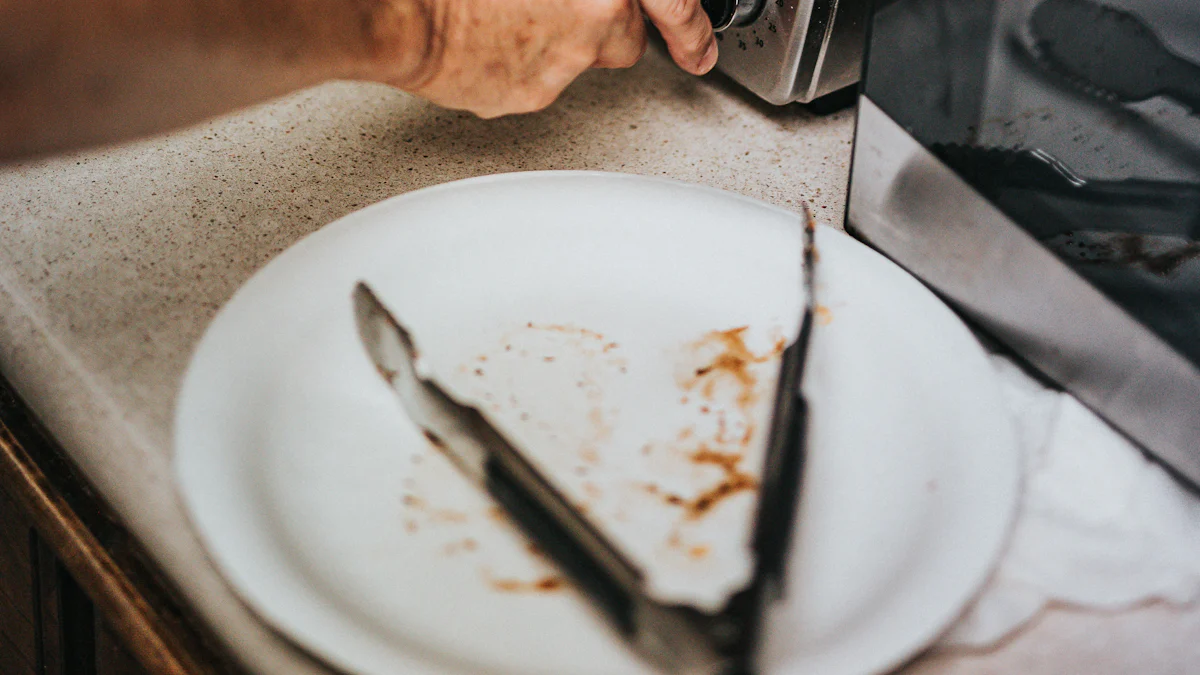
column 574, row 306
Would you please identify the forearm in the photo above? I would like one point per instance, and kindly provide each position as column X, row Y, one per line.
column 75, row 73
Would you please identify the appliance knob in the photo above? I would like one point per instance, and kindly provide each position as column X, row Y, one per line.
column 731, row 13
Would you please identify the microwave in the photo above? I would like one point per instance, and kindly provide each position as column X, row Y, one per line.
column 1037, row 164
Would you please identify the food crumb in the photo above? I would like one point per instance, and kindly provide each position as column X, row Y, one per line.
column 824, row 315
column 548, row 584
column 433, row 439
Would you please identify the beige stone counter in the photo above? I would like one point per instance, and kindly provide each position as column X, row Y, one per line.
column 114, row 262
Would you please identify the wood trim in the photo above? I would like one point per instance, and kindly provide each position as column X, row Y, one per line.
column 126, row 589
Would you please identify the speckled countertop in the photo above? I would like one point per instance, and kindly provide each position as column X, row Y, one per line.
column 114, row 262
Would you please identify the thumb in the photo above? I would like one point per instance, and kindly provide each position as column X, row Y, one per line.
column 688, row 32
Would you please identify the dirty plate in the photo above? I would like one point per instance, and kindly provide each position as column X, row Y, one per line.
column 626, row 331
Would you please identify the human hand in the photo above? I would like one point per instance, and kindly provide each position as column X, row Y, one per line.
column 498, row 57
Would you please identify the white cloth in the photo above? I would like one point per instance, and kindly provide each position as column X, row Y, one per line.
column 1100, row 526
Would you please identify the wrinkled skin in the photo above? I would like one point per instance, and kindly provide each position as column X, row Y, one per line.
column 497, row 57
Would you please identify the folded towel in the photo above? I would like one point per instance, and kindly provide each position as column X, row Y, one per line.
column 1100, row 525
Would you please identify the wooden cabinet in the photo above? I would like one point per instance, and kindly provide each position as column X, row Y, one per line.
column 77, row 595
column 48, row 625
column 19, row 609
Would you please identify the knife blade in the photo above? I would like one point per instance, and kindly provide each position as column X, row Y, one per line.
column 674, row 638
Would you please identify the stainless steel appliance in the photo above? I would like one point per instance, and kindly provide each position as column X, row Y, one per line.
column 790, row 50
column 1037, row 162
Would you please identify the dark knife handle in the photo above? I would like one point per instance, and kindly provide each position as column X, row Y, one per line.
column 784, row 467
column 675, row 639
column 572, row 558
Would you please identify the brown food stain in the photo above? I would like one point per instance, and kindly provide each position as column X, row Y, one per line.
column 387, row 373
column 548, row 584
column 467, row 545
column 728, row 461
column 699, row 552
column 448, row 516
column 589, row 455
column 733, row 362
column 733, row 482
column 565, row 328
column 602, row 429
column 824, row 315
column 592, row 490
column 434, row 439
column 722, row 427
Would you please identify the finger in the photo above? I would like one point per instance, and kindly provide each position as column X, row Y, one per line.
column 688, row 32
column 626, row 44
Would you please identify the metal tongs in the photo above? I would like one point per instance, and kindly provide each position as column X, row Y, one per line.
column 674, row 638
